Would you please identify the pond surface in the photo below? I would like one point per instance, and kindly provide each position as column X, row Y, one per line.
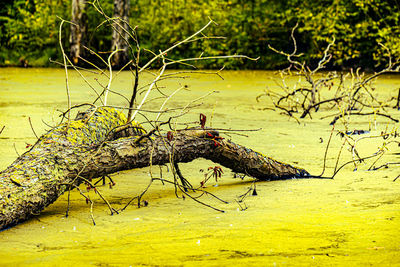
column 351, row 220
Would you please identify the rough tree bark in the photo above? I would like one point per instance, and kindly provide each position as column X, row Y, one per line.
column 87, row 147
column 120, row 34
column 78, row 29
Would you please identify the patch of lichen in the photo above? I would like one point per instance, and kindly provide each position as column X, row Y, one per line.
column 138, row 128
column 87, row 132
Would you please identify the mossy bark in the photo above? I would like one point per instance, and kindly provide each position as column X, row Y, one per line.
column 81, row 149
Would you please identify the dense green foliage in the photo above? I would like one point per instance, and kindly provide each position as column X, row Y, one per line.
column 29, row 29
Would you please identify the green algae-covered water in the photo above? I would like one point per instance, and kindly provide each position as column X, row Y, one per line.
column 353, row 220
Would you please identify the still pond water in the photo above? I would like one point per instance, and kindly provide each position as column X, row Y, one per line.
column 353, row 220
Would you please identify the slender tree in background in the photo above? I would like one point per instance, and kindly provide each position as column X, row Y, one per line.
column 78, row 29
column 120, row 33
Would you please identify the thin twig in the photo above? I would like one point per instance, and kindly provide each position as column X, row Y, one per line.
column 33, row 130
column 326, row 151
column 161, row 54
column 148, row 92
column 15, row 148
column 66, row 73
column 112, row 210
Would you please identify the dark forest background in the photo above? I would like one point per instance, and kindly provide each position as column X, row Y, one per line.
column 29, row 30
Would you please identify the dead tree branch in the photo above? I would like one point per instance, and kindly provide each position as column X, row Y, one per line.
column 39, row 176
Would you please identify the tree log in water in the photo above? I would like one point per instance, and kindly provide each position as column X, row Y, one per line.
column 86, row 148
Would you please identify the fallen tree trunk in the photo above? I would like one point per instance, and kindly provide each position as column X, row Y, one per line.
column 86, row 148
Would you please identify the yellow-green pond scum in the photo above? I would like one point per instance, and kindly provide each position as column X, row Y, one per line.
column 353, row 220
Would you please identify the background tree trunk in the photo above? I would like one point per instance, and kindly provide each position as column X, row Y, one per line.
column 67, row 155
column 78, row 30
column 120, row 36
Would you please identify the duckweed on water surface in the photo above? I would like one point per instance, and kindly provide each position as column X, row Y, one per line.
column 353, row 220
